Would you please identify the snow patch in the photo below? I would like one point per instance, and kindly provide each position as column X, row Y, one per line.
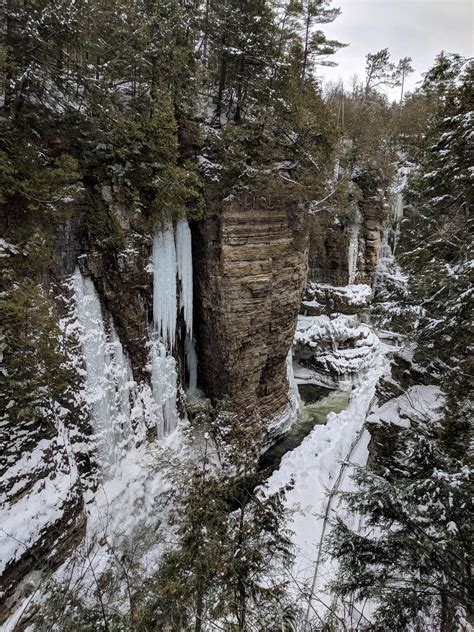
column 419, row 402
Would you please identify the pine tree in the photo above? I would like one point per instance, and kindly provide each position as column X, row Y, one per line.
column 440, row 199
column 230, row 536
column 411, row 555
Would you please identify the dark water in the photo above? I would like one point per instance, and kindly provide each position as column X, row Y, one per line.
column 317, row 403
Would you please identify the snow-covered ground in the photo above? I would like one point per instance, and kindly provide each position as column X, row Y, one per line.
column 324, row 462
column 418, row 402
column 316, row 466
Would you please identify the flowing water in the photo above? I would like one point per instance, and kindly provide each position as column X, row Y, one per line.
column 315, row 407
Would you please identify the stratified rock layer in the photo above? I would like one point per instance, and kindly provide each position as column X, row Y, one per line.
column 250, row 270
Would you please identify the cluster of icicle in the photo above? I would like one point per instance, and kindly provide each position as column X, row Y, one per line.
column 397, row 216
column 108, row 376
column 172, row 261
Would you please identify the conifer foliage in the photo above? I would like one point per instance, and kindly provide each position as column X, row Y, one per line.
column 411, row 556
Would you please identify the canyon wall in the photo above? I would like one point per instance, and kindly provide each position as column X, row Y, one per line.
column 250, row 270
column 346, row 249
column 249, row 273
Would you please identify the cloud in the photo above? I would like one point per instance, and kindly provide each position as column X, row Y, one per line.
column 420, row 29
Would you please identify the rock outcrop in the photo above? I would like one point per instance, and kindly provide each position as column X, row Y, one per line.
column 345, row 250
column 328, row 255
column 250, row 270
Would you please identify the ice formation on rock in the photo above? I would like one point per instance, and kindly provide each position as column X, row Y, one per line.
column 164, row 285
column 191, row 363
column 108, row 377
column 185, row 274
column 185, row 271
column 397, row 216
column 352, row 253
column 172, row 261
column 164, row 385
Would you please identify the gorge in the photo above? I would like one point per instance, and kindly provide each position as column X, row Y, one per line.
column 234, row 339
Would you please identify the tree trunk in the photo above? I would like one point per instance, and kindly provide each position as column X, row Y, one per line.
column 199, row 609
column 8, row 35
column 403, row 85
column 206, row 33
column 222, row 82
column 306, row 46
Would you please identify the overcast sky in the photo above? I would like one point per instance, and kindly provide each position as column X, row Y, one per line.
column 415, row 28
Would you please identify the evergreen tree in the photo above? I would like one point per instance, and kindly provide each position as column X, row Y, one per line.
column 412, row 554
column 230, row 538
column 440, row 199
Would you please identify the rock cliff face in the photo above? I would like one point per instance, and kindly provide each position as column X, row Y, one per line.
column 373, row 209
column 344, row 252
column 250, row 270
column 328, row 256
column 40, row 486
column 249, row 273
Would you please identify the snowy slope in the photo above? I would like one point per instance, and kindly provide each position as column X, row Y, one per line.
column 315, row 468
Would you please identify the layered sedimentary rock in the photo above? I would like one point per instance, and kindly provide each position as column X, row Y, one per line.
column 250, row 270
column 373, row 211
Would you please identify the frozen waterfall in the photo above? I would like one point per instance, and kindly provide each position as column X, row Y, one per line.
column 397, row 216
column 172, row 260
column 185, row 271
column 185, row 274
column 164, row 380
column 108, row 377
column 352, row 253
column 164, row 285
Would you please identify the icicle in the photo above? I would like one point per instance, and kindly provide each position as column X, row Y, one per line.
column 165, row 309
column 185, row 274
column 397, row 216
column 108, row 377
column 191, row 363
column 352, row 253
column 185, row 271
column 172, row 258
column 164, row 288
column 164, row 386
column 293, row 392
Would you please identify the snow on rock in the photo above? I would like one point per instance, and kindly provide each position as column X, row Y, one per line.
column 334, row 352
column 347, row 299
column 7, row 249
column 45, row 503
column 419, row 402
column 129, row 501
